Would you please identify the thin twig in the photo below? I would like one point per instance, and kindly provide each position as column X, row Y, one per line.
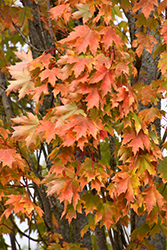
column 39, row 233
column 18, row 229
column 18, row 244
column 24, row 38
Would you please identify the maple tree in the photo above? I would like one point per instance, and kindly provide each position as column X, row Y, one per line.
column 81, row 153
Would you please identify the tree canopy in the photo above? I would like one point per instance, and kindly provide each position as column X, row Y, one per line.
column 81, row 156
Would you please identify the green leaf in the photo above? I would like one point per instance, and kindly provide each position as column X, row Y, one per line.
column 83, row 12
column 162, row 168
column 140, row 232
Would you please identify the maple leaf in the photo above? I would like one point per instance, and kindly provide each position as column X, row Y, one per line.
column 145, row 163
column 22, row 75
column 26, row 58
column 66, row 188
column 127, row 184
column 147, row 94
column 161, row 6
column 150, row 115
column 152, row 197
column 9, row 14
column 37, row 92
column 18, row 203
column 46, row 128
column 107, row 77
column 20, row 72
column 107, row 213
column 10, row 158
column 125, row 100
column 136, row 141
column 51, row 74
column 141, row 233
column 93, row 97
column 23, row 82
column 27, row 128
column 121, row 67
column 144, row 41
column 82, row 126
column 61, row 11
column 81, row 61
column 105, row 11
column 147, row 6
column 109, row 35
column 83, row 12
column 90, row 202
column 164, row 31
column 41, row 62
column 83, row 37
column 162, row 64
column 67, row 110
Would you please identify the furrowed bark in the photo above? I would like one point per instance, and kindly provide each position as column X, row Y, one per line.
column 100, row 238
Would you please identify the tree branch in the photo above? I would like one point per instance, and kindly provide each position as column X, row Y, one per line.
column 25, row 39
column 50, row 26
column 5, row 100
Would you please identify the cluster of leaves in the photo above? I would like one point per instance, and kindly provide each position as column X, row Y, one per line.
column 90, row 76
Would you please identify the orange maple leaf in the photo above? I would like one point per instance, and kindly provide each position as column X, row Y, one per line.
column 83, row 37
column 109, row 35
column 136, row 141
column 40, row 62
column 150, row 115
column 144, row 41
column 147, row 6
column 126, row 183
column 46, row 128
column 80, row 63
column 164, row 31
column 161, row 6
column 152, row 197
column 37, row 92
column 23, row 82
column 27, row 128
column 11, row 158
column 18, row 203
column 59, row 11
column 93, row 97
column 107, row 77
column 51, row 74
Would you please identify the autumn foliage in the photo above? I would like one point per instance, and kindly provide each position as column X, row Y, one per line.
column 90, row 74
